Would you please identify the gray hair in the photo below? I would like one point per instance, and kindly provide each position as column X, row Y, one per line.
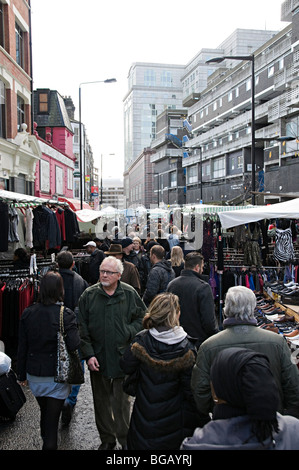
column 119, row 267
column 240, row 302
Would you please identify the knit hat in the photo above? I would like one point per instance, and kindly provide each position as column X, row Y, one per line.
column 126, row 242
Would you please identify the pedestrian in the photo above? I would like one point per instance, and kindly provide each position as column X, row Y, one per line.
column 129, row 252
column 240, row 330
column 161, row 273
column 130, row 274
column 37, row 353
column 245, row 415
column 138, row 247
column 177, row 260
column 74, row 285
column 96, row 258
column 196, row 299
column 102, row 243
column 174, row 237
column 110, row 315
column 145, row 265
column 21, row 259
column 162, row 354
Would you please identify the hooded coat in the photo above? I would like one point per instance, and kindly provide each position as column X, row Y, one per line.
column 164, row 409
column 158, row 279
column 236, row 434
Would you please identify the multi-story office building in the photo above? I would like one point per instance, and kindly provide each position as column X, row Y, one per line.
column 139, row 182
column 221, row 119
column 169, row 176
column 19, row 149
column 113, row 193
column 152, row 88
column 197, row 72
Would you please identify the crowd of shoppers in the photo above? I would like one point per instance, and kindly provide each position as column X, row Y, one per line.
column 145, row 325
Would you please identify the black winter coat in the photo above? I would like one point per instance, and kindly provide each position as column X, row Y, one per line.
column 164, row 409
column 158, row 279
column 74, row 286
column 37, row 349
column 197, row 305
column 96, row 259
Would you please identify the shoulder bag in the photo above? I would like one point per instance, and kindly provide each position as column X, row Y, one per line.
column 68, row 369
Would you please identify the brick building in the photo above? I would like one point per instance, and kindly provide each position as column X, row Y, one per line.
column 19, row 149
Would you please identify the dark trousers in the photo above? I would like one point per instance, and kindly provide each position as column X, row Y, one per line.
column 112, row 408
column 50, row 409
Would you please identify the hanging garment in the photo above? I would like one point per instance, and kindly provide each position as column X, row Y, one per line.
column 29, row 227
column 46, row 232
column 4, row 226
column 13, row 220
column 284, row 249
column 208, row 240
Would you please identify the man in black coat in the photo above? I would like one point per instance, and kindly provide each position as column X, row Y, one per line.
column 196, row 299
column 159, row 276
column 96, row 258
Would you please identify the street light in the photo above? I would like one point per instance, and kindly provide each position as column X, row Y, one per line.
column 249, row 58
column 108, row 80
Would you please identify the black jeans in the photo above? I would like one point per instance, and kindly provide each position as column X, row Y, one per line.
column 50, row 409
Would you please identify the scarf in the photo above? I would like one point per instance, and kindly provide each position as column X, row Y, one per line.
column 169, row 336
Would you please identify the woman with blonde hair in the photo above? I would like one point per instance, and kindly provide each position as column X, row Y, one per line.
column 177, row 260
column 161, row 357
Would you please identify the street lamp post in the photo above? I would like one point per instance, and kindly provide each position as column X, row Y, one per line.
column 108, row 80
column 249, row 58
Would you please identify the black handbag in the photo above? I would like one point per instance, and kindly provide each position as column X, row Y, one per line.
column 68, row 369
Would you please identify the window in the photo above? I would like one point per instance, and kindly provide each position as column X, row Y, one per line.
column 206, row 169
column 19, row 45
column 20, row 112
column 230, row 96
column 59, row 180
column 69, row 178
column 166, row 79
column 173, row 179
column 76, row 135
column 192, row 176
column 149, row 78
column 219, row 167
column 248, row 85
column 2, row 110
column 43, row 106
column 270, row 71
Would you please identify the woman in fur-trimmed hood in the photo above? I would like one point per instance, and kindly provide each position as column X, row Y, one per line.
column 164, row 411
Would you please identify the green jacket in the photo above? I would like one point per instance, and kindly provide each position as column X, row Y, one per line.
column 249, row 336
column 107, row 324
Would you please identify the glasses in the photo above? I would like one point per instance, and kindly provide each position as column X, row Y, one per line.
column 108, row 273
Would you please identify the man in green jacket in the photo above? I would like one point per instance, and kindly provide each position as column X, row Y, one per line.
column 240, row 330
column 110, row 315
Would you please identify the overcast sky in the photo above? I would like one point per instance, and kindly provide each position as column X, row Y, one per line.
column 75, row 42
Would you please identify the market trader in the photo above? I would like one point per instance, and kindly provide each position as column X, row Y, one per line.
column 110, row 315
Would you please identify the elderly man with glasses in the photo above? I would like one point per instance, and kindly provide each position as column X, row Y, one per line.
column 110, row 315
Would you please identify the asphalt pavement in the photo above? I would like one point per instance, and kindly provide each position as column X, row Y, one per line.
column 24, row 432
